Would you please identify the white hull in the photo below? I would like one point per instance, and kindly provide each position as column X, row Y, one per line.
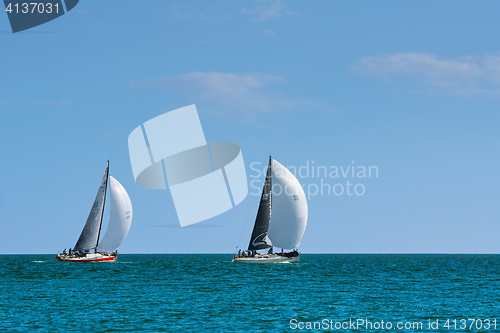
column 266, row 259
column 88, row 257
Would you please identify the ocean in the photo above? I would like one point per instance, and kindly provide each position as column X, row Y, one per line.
column 208, row 293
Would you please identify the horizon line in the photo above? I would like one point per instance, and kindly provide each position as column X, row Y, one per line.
column 228, row 253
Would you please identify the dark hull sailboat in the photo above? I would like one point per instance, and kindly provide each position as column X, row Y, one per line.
column 281, row 219
column 88, row 248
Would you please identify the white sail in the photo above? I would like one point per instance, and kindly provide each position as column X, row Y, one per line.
column 289, row 209
column 119, row 220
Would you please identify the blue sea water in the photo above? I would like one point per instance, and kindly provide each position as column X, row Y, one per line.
column 209, row 293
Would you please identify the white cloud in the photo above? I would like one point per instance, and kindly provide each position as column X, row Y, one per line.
column 268, row 9
column 269, row 32
column 467, row 75
column 182, row 16
column 226, row 91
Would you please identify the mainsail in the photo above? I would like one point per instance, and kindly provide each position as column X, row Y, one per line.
column 289, row 216
column 120, row 217
column 259, row 239
column 90, row 233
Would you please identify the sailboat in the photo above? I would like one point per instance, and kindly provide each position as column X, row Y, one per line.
column 88, row 248
column 281, row 219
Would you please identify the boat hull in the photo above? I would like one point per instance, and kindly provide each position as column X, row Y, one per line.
column 89, row 257
column 266, row 259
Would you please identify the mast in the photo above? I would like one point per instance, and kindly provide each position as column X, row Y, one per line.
column 104, row 203
column 259, row 239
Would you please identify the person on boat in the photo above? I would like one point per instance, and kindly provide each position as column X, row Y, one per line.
column 281, row 251
column 64, row 252
column 70, row 251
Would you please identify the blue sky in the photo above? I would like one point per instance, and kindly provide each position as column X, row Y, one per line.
column 409, row 87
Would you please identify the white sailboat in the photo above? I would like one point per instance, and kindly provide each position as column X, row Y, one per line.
column 88, row 248
column 281, row 219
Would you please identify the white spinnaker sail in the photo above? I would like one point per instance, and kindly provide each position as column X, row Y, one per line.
column 289, row 209
column 119, row 220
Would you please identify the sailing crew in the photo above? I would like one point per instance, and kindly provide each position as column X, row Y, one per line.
column 64, row 252
column 69, row 250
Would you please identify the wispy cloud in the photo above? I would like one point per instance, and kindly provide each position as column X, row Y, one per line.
column 182, row 16
column 188, row 12
column 51, row 103
column 222, row 90
column 227, row 91
column 466, row 75
column 269, row 32
column 268, row 9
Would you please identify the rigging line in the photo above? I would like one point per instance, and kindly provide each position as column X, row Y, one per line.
column 246, row 220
